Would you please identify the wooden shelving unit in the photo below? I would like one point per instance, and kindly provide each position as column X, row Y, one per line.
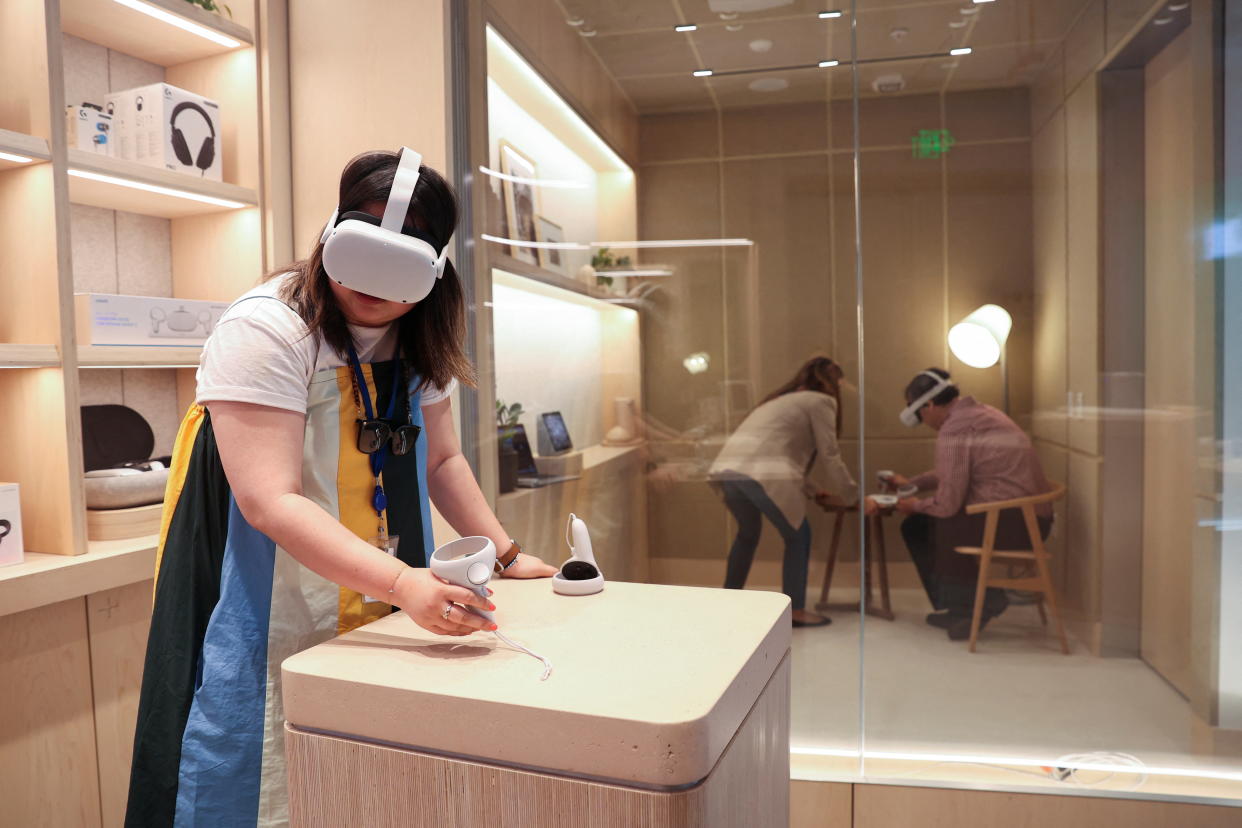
column 122, row 27
column 29, row 356
column 26, row 146
column 48, row 579
column 115, row 184
column 121, row 356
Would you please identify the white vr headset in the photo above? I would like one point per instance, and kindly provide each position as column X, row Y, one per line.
column 373, row 256
column 910, row 414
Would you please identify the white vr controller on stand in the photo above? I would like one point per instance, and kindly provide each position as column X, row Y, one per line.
column 580, row 575
column 469, row 562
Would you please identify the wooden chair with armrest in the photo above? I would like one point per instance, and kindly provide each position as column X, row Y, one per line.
column 1040, row 582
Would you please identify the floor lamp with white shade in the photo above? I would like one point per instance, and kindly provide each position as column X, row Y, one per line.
column 979, row 341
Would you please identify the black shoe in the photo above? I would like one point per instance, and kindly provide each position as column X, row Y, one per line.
column 959, row 630
column 941, row 620
column 816, row 621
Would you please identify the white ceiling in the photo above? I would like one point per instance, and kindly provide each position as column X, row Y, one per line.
column 1010, row 39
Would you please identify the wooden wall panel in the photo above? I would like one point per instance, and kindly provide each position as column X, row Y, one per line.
column 28, row 246
column 882, row 806
column 119, row 620
column 48, row 770
column 1049, row 232
column 23, row 65
column 1083, row 265
column 820, row 804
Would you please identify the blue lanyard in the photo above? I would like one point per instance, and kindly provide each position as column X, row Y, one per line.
column 379, row 501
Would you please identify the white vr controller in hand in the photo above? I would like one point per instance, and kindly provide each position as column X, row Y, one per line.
column 467, row 562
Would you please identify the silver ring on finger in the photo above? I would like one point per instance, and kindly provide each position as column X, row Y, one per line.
column 447, row 609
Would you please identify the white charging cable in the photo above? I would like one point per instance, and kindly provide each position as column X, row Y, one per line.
column 547, row 665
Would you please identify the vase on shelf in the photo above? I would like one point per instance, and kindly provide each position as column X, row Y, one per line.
column 625, row 431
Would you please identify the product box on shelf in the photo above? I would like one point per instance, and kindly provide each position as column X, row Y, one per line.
column 11, row 549
column 164, row 126
column 89, row 128
column 111, row 319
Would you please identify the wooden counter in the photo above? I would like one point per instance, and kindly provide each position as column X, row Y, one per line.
column 675, row 697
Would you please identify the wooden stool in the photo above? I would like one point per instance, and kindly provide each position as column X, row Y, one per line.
column 988, row 554
column 877, row 559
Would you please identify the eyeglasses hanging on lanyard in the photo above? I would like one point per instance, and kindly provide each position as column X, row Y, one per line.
column 375, row 435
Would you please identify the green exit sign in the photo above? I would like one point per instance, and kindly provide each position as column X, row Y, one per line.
column 931, row 143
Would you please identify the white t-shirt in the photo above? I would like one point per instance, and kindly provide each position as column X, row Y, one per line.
column 261, row 352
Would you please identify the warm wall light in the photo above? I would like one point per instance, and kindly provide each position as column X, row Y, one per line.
column 697, row 363
column 824, row 64
column 17, row 159
column 979, row 341
column 977, row 2
column 829, row 15
column 687, row 27
column 180, row 22
column 703, row 73
column 639, row 273
column 965, row 50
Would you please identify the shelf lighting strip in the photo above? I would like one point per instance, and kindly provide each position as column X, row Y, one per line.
column 535, row 182
column 825, row 64
column 536, row 245
column 625, row 274
column 155, row 188
column 15, row 158
column 1001, row 761
column 181, row 23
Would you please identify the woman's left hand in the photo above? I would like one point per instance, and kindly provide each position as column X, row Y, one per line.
column 528, row 566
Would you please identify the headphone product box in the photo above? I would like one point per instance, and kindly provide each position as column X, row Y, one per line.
column 89, row 128
column 11, row 549
column 113, row 319
column 164, row 126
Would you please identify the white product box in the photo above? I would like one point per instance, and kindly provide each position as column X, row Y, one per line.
column 11, row 549
column 164, row 126
column 89, row 129
column 111, row 319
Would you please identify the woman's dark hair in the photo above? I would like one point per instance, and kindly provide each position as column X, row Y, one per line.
column 921, row 384
column 816, row 374
column 433, row 332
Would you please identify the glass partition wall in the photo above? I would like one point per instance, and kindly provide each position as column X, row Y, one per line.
column 719, row 245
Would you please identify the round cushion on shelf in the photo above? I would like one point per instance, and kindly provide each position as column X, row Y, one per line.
column 126, row 491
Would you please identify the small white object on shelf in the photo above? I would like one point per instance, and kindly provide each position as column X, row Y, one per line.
column 89, row 128
column 12, row 550
column 112, row 319
column 625, row 432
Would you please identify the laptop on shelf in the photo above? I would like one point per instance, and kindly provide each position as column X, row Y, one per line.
column 528, row 473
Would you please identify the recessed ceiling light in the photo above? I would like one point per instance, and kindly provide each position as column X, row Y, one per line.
column 1162, row 21
column 824, row 64
column 1178, row 6
column 685, row 27
column 587, row 32
column 733, row 27
column 728, row 15
column 768, row 85
column 575, row 21
column 702, row 73
column 965, row 50
column 829, row 15
column 977, row 2
column 761, row 45
column 958, row 24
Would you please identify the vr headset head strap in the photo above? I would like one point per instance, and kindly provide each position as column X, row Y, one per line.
column 911, row 411
column 402, row 191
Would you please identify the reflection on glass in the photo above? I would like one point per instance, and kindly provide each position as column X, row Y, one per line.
column 1036, row 186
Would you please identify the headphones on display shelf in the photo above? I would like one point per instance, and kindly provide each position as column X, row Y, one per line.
column 375, row 256
column 910, row 416
column 206, row 152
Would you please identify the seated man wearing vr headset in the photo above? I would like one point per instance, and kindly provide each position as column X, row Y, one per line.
column 982, row 456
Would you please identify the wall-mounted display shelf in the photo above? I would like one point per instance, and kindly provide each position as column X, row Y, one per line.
column 29, row 356
column 46, row 579
column 167, row 32
column 16, row 146
column 139, row 356
column 503, row 261
column 115, row 184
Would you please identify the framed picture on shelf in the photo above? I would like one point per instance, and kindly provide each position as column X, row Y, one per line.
column 520, row 206
column 550, row 258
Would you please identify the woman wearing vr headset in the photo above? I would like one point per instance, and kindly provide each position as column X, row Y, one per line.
column 299, row 499
column 765, row 470
column 982, row 456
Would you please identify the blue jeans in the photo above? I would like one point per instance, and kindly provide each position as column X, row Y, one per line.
column 749, row 503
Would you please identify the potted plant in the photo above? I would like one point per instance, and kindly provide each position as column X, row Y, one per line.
column 602, row 261
column 507, row 416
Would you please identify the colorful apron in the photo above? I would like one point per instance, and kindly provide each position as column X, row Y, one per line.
column 230, row 606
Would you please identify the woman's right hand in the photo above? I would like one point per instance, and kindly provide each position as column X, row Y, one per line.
column 423, row 596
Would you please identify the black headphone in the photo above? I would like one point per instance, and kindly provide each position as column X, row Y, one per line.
column 7, row 527
column 207, row 152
